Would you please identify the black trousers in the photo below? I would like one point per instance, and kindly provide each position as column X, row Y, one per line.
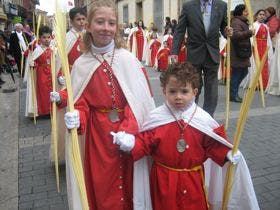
column 209, row 79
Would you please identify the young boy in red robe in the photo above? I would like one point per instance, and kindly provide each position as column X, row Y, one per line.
column 163, row 57
column 179, row 136
column 41, row 57
column 182, row 53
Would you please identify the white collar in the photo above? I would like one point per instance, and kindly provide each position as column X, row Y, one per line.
column 103, row 50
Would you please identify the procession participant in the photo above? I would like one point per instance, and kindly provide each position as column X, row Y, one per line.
column 154, row 46
column 77, row 17
column 41, row 62
column 222, row 66
column 163, row 57
column 169, row 38
column 180, row 137
column 138, row 41
column 263, row 41
column 273, row 86
column 182, row 55
column 273, row 24
column 108, row 83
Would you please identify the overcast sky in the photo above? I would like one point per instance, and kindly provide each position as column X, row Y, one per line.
column 47, row 5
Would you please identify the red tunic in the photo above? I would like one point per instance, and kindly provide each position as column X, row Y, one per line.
column 140, row 43
column 108, row 171
column 169, row 41
column 261, row 37
column 154, row 50
column 73, row 55
column 163, row 56
column 182, row 54
column 43, row 81
column 173, row 189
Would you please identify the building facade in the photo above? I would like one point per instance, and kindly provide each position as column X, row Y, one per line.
column 156, row 10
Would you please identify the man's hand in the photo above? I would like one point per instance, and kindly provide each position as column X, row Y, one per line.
column 229, row 31
column 174, row 58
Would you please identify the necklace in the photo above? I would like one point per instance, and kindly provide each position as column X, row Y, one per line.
column 181, row 145
column 113, row 114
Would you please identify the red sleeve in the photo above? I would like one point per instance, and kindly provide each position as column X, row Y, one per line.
column 145, row 143
column 63, row 96
column 129, row 123
column 216, row 150
column 82, row 106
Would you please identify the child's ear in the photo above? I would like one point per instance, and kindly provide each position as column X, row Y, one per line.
column 87, row 26
column 195, row 91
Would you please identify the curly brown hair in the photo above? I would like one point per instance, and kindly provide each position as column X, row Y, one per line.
column 184, row 73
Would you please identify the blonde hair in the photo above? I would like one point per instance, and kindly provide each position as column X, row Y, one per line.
column 94, row 6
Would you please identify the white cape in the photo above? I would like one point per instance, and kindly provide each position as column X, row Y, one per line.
column 129, row 73
column 273, row 86
column 242, row 194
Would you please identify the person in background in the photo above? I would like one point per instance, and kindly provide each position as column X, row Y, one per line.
column 167, row 25
column 163, row 57
column 19, row 41
column 173, row 25
column 41, row 62
column 240, row 50
column 263, row 42
column 273, row 23
column 138, row 41
column 111, row 93
column 203, row 20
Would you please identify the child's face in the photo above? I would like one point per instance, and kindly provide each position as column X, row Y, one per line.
column 79, row 22
column 103, row 26
column 177, row 94
column 45, row 39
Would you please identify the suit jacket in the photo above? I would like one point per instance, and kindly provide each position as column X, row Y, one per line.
column 14, row 44
column 198, row 43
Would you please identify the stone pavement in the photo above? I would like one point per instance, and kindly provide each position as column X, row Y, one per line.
column 27, row 157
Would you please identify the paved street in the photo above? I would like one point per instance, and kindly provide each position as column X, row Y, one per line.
column 27, row 157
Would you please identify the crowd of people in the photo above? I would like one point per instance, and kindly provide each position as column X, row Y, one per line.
column 115, row 114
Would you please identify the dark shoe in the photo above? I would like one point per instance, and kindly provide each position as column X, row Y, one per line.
column 236, row 99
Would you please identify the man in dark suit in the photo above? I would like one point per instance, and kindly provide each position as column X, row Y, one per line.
column 18, row 44
column 204, row 20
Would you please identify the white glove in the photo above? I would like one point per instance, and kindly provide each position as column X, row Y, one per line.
column 234, row 158
column 124, row 140
column 72, row 119
column 61, row 80
column 55, row 97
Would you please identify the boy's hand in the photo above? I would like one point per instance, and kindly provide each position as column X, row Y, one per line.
column 124, row 140
column 234, row 158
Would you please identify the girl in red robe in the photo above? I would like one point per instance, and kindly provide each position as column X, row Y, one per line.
column 42, row 65
column 138, row 41
column 182, row 53
column 263, row 41
column 163, row 57
column 108, row 82
column 154, row 47
column 179, row 144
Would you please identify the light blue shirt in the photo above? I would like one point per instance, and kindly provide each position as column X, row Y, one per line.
column 206, row 6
